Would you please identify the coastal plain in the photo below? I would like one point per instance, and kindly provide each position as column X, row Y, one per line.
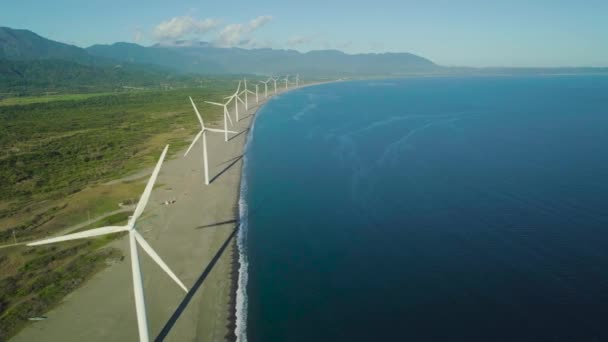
column 187, row 234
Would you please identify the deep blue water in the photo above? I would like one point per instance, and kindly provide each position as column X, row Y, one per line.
column 430, row 209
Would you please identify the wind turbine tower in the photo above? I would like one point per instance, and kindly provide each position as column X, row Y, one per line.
column 135, row 238
column 203, row 133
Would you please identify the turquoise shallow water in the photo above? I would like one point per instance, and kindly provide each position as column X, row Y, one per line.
column 431, row 209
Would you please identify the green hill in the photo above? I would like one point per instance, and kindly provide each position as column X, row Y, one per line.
column 53, row 75
column 26, row 45
column 200, row 57
column 31, row 64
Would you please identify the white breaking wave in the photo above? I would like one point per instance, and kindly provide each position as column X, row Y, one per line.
column 392, row 151
column 304, row 111
column 240, row 329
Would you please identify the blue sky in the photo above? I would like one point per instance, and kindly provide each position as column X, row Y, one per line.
column 466, row 33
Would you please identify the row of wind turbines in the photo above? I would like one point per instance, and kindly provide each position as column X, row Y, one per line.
column 135, row 238
column 236, row 98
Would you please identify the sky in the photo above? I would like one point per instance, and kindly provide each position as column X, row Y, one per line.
column 453, row 33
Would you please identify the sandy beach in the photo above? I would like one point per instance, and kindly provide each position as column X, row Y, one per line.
column 187, row 235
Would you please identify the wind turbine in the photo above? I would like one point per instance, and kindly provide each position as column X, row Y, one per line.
column 226, row 114
column 203, row 132
column 246, row 92
column 275, row 84
column 257, row 99
column 286, row 79
column 135, row 238
column 236, row 99
column 297, row 80
column 266, row 87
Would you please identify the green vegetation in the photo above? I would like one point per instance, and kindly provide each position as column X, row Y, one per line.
column 50, row 151
column 29, row 226
column 60, row 157
column 23, row 100
column 47, row 275
column 112, row 220
column 31, row 77
column 54, row 149
column 34, row 280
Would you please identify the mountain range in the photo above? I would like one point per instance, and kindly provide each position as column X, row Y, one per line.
column 201, row 57
column 204, row 58
column 26, row 45
column 30, row 64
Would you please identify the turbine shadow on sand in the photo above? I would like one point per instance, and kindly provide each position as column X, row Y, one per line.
column 182, row 306
column 230, row 160
column 234, row 161
column 217, row 224
column 239, row 133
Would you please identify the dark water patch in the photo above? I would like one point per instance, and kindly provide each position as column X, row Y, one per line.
column 431, row 209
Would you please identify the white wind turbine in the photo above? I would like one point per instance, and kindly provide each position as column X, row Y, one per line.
column 266, row 87
column 236, row 99
column 286, row 79
column 257, row 99
column 275, row 84
column 203, row 132
column 226, row 115
column 135, row 238
column 297, row 80
column 246, row 92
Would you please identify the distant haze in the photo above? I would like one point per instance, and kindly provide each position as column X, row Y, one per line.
column 455, row 33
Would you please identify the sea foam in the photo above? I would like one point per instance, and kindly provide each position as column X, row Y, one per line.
column 241, row 293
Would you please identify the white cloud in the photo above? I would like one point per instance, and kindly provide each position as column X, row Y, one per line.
column 259, row 21
column 240, row 34
column 138, row 36
column 181, row 27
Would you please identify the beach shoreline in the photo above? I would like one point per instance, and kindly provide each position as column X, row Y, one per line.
column 187, row 235
column 238, row 304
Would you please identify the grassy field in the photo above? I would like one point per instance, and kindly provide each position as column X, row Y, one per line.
column 52, row 150
column 59, row 158
column 24, row 100
column 36, row 279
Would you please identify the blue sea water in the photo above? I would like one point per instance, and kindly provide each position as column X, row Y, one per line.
column 429, row 209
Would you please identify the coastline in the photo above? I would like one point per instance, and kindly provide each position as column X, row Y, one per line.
column 187, row 235
column 238, row 300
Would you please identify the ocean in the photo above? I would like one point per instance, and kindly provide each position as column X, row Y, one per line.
column 428, row 209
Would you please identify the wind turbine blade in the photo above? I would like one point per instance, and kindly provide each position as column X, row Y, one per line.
column 138, row 291
column 227, row 113
column 205, row 161
column 238, row 98
column 193, row 142
column 214, row 103
column 146, row 247
column 148, row 190
column 238, row 88
column 225, row 126
column 81, row 235
column 220, row 130
column 200, row 119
